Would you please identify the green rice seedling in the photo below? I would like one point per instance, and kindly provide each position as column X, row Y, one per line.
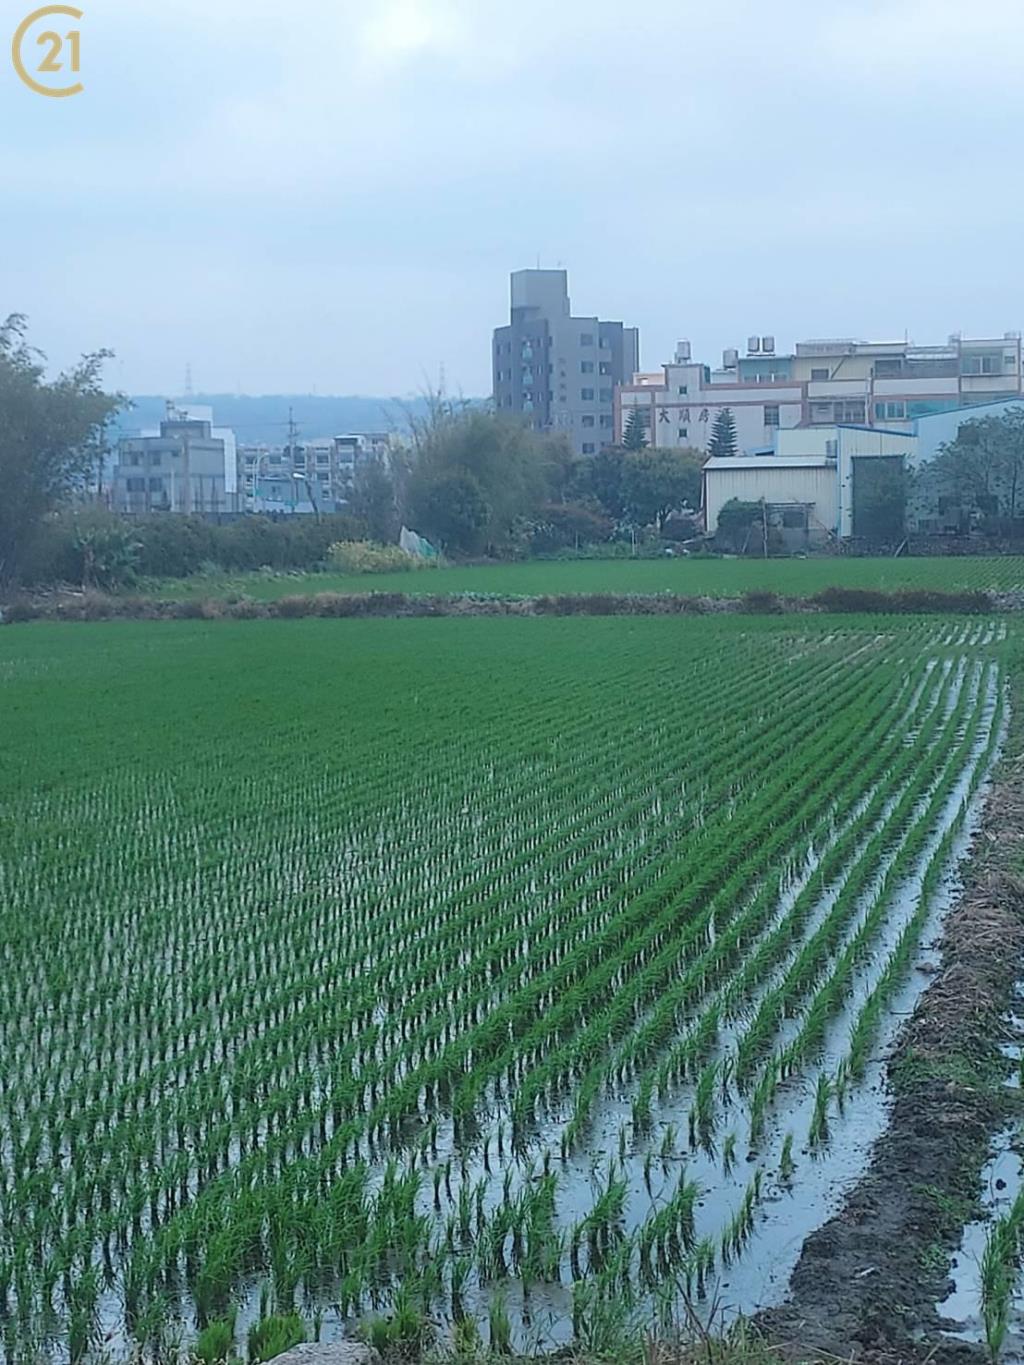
column 704, row 1103
column 668, row 1143
column 819, row 1118
column 460, row 1272
column 997, row 1285
column 499, row 1325
column 467, row 1344
column 787, row 1165
column 271, row 1336
column 729, row 1153
column 216, row 1341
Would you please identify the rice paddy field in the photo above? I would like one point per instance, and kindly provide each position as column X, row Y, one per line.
column 687, row 576
column 492, row 971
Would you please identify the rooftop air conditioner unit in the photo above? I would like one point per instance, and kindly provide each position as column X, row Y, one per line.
column 682, row 352
column 730, row 359
column 768, row 345
column 753, row 345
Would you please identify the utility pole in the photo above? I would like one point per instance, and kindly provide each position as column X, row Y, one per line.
column 292, row 434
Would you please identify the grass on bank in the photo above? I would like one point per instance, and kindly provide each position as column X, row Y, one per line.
column 687, row 576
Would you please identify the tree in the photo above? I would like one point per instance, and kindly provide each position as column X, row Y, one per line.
column 598, row 478
column 499, row 470
column 373, row 502
column 454, row 512
column 657, row 482
column 563, row 524
column 635, row 436
column 983, row 469
column 723, row 434
column 51, row 436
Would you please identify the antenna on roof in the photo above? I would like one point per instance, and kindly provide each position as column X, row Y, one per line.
column 188, row 379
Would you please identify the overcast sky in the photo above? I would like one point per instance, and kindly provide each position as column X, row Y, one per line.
column 330, row 196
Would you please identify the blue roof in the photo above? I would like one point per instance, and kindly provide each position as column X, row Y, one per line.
column 879, row 431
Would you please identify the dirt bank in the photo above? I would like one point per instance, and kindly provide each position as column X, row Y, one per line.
column 66, row 605
column 867, row 1282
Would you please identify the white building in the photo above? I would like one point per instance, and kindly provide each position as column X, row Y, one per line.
column 820, row 383
column 803, row 488
column 310, row 476
column 814, row 469
column 186, row 465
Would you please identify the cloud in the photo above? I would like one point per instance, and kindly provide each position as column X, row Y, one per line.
column 360, row 178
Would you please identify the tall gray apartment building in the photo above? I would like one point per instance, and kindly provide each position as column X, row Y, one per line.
column 557, row 370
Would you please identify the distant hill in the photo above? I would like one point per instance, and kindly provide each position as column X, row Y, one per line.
column 264, row 419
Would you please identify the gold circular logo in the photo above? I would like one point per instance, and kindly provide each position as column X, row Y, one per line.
column 60, row 52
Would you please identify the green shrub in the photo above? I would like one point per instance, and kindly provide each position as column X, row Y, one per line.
column 274, row 1334
column 363, row 556
column 90, row 544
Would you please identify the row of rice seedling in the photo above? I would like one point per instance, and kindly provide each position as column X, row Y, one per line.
column 334, row 1026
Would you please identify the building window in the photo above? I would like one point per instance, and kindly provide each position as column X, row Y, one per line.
column 980, row 364
column 889, row 369
column 588, row 448
column 818, row 375
column 683, row 390
column 771, row 414
column 850, row 412
column 606, row 395
column 136, row 485
column 822, row 412
column 586, row 338
column 588, row 419
column 606, row 367
column 891, row 412
column 586, row 367
column 587, row 395
column 683, row 433
column 156, row 485
column 606, row 420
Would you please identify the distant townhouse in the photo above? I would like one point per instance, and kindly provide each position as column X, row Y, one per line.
column 188, row 465
column 557, row 371
column 309, row 476
column 888, row 385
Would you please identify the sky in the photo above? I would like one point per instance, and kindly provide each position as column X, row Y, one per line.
column 329, row 197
